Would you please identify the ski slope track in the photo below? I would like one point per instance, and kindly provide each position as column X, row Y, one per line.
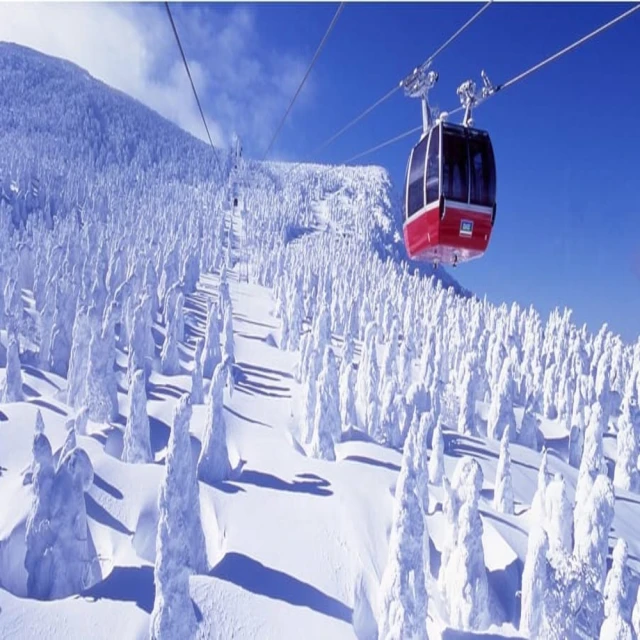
column 339, row 376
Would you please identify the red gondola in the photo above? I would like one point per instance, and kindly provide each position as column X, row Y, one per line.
column 450, row 190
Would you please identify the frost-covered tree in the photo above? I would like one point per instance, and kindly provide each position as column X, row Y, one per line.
column 534, row 584
column 180, row 459
column 211, row 355
column 197, row 383
column 170, row 355
column 11, row 390
column 402, row 606
column 173, row 615
column 626, row 475
column 558, row 521
column 368, row 382
column 467, row 394
column 213, row 464
column 463, row 577
column 72, row 563
column 616, row 586
column 228, row 344
column 503, row 497
column 501, row 416
column 528, row 433
column 348, row 413
column 436, row 462
column 538, row 513
column 592, row 522
column 137, row 443
column 592, row 462
column 327, row 408
column 39, row 536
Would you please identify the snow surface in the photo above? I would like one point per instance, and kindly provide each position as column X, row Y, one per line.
column 297, row 545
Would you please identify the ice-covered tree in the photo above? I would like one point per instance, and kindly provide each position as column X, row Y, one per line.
column 528, row 433
column 626, row 475
column 180, row 459
column 616, row 586
column 436, row 462
column 212, row 354
column 170, row 355
column 538, row 503
column 197, row 383
column 467, row 394
column 228, row 344
column 137, row 444
column 534, row 584
column 592, row 462
column 173, row 615
column 72, row 563
column 11, row 390
column 592, row 522
column 327, row 408
column 503, row 497
column 348, row 413
column 501, row 416
column 402, row 604
column 213, row 464
column 39, row 536
column 558, row 521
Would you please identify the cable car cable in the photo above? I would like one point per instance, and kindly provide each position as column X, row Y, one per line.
column 508, row 83
column 195, row 93
column 384, row 98
column 306, row 75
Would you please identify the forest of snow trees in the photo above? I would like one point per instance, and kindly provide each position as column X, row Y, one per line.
column 99, row 254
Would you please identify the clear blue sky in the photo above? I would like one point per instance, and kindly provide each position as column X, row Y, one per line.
column 567, row 139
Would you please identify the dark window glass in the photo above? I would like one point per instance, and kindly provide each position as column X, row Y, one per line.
column 483, row 170
column 433, row 166
column 455, row 166
column 416, row 178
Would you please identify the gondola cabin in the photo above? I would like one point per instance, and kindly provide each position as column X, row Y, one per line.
column 450, row 195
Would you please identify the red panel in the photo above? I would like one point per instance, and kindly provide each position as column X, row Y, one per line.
column 427, row 238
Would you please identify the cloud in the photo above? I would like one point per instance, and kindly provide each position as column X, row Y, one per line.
column 244, row 85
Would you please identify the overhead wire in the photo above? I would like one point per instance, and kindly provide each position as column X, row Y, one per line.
column 306, row 75
column 392, row 92
column 195, row 93
column 508, row 83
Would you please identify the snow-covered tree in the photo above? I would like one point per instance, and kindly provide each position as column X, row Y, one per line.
column 626, row 474
column 348, row 413
column 39, row 536
column 180, row 466
column 173, row 615
column 616, row 586
column 72, row 563
column 228, row 344
column 11, row 390
column 402, row 606
column 211, row 355
column 137, row 444
column 501, row 416
column 170, row 355
column 467, row 413
column 592, row 522
column 436, row 462
column 503, row 497
column 534, row 584
column 213, row 464
column 558, row 511
column 197, row 383
column 592, row 462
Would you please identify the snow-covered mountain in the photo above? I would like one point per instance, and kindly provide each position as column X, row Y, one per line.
column 228, row 409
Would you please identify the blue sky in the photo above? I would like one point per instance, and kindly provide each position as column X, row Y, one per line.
column 566, row 139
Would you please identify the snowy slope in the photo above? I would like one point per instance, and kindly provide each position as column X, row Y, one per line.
column 103, row 203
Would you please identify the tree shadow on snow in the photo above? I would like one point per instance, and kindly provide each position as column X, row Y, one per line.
column 98, row 513
column 126, row 584
column 373, row 462
column 107, row 487
column 47, row 405
column 314, row 487
column 245, row 418
column 255, row 577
